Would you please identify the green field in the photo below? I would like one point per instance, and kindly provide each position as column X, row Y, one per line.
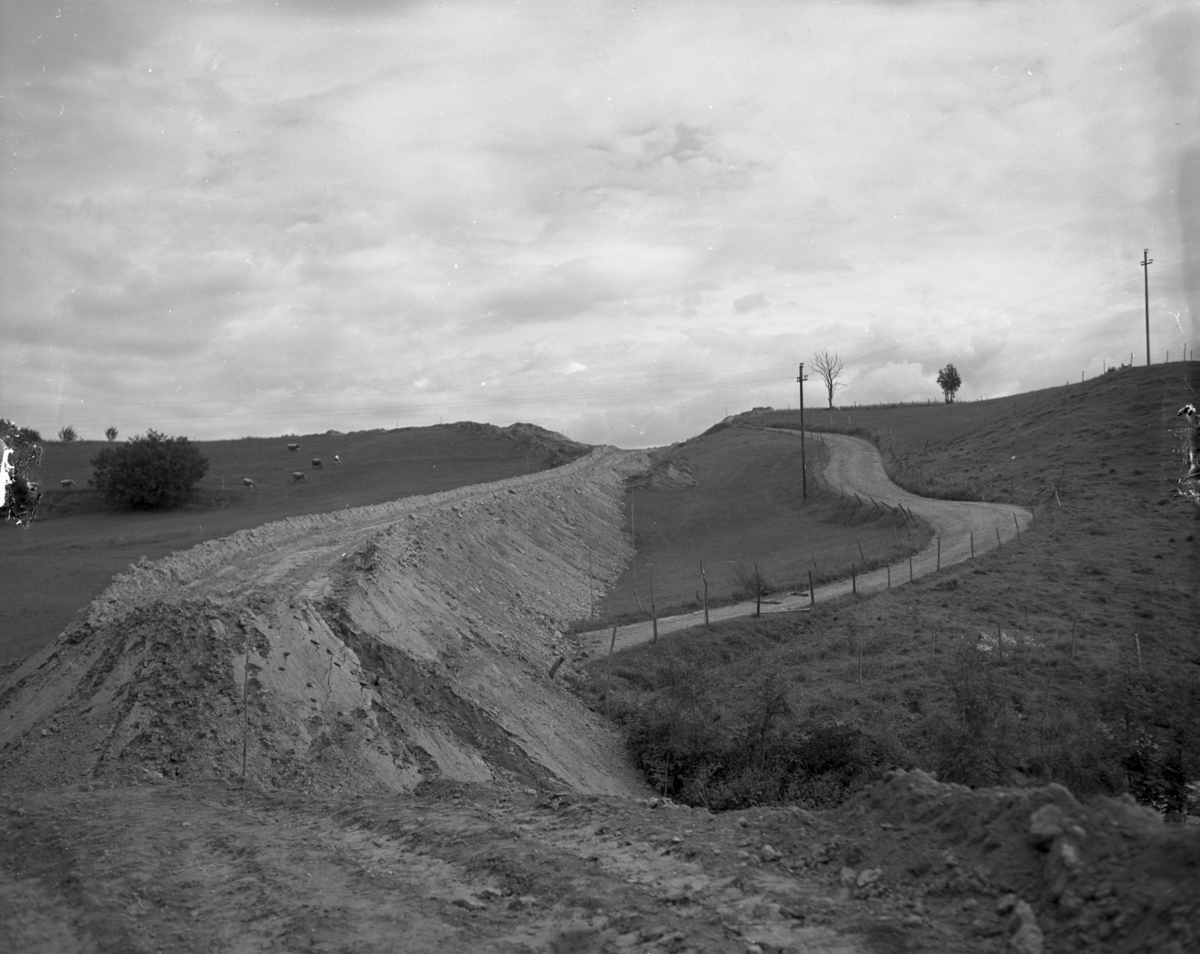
column 732, row 498
column 1093, row 682
column 54, row 568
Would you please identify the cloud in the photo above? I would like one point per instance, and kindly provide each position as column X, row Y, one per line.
column 750, row 303
column 347, row 209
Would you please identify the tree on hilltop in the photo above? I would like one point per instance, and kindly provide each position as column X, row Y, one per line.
column 148, row 473
column 949, row 381
column 68, row 434
column 829, row 367
column 110, row 433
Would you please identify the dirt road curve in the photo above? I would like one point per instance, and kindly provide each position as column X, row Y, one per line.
column 856, row 467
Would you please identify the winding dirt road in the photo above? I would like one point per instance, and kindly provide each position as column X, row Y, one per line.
column 855, row 466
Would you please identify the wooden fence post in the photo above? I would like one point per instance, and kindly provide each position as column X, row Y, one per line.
column 999, row 545
column 653, row 608
column 608, row 671
column 1018, row 526
column 812, row 593
column 853, row 579
column 757, row 592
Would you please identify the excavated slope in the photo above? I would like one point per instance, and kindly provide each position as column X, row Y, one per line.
column 368, row 650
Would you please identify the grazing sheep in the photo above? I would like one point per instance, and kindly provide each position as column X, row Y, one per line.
column 247, row 482
column 298, row 477
column 293, row 447
column 67, row 483
column 317, row 462
column 336, row 459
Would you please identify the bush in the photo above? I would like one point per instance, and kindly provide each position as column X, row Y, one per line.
column 68, row 434
column 148, row 472
column 15, row 435
column 110, row 433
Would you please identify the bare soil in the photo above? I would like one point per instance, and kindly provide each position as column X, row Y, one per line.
column 341, row 732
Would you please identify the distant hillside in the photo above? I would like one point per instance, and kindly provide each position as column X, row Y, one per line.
column 77, row 543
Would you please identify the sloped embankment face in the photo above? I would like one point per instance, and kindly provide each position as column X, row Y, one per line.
column 364, row 651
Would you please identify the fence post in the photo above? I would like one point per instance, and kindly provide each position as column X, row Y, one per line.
column 608, row 671
column 653, row 608
column 1018, row 526
column 812, row 594
column 999, row 545
column 853, row 579
column 757, row 592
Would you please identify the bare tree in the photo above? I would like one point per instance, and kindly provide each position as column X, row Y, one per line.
column 829, row 367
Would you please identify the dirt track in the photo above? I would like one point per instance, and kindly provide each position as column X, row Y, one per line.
column 856, row 467
column 415, row 781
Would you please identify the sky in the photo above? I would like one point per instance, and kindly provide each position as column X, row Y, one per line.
column 621, row 221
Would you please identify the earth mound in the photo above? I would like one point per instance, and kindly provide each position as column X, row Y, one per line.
column 554, row 448
column 674, row 474
column 365, row 650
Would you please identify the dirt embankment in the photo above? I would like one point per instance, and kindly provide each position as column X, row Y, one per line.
column 368, row 650
column 405, row 649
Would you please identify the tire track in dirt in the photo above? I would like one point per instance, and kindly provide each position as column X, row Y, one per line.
column 856, row 466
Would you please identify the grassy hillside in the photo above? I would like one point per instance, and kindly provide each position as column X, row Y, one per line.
column 1071, row 657
column 732, row 498
column 77, row 543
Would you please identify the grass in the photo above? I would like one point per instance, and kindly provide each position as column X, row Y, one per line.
column 1095, row 682
column 732, row 498
column 77, row 544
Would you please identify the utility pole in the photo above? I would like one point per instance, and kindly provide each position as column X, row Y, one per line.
column 801, row 378
column 1146, row 263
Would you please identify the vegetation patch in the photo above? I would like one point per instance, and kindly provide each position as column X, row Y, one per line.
column 733, row 498
column 1066, row 657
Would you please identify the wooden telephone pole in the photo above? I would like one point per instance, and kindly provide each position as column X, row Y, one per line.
column 1146, row 263
column 801, row 378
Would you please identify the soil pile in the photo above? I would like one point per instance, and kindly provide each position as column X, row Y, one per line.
column 672, row 474
column 367, row 650
column 554, row 448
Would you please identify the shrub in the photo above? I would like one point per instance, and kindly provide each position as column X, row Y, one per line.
column 15, row 435
column 68, row 434
column 110, row 433
column 148, row 472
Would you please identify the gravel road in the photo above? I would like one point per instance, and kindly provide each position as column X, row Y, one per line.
column 855, row 466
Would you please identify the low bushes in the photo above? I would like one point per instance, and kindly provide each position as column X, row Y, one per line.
column 148, row 473
column 700, row 745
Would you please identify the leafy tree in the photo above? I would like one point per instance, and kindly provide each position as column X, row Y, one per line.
column 949, row 381
column 17, row 435
column 68, row 434
column 829, row 367
column 148, row 472
column 110, row 433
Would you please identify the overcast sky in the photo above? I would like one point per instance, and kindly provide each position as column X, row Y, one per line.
column 617, row 220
